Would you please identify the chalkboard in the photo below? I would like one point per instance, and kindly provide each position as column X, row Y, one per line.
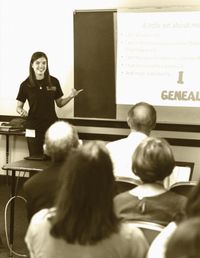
column 94, row 64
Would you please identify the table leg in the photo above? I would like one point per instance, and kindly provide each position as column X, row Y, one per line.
column 7, row 155
column 12, row 209
column 7, row 148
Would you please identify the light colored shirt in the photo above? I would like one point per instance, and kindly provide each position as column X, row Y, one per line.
column 129, row 242
column 158, row 246
column 121, row 152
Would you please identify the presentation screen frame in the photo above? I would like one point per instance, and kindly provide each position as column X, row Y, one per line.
column 168, row 113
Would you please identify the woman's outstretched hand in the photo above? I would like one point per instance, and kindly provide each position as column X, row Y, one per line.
column 75, row 92
column 63, row 101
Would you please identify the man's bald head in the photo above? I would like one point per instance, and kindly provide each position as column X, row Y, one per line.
column 142, row 117
column 60, row 139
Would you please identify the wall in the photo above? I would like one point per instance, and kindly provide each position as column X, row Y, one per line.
column 28, row 26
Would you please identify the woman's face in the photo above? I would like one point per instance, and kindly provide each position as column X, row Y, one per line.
column 39, row 66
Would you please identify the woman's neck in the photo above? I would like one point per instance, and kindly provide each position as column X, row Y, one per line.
column 39, row 77
column 148, row 190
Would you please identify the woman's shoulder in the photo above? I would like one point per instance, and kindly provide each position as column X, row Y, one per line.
column 125, row 198
column 25, row 82
column 54, row 79
column 124, row 195
column 135, row 238
column 42, row 215
column 175, row 196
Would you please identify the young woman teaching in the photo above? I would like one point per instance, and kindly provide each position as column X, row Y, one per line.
column 42, row 91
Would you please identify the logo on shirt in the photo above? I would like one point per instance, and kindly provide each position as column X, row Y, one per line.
column 53, row 88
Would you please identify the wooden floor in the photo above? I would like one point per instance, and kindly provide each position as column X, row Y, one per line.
column 21, row 222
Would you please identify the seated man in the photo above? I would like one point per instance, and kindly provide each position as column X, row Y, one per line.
column 141, row 120
column 40, row 190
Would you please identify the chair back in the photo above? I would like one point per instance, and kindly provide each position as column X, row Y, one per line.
column 123, row 184
column 183, row 188
column 149, row 229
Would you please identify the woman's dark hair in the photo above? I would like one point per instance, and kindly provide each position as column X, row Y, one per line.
column 153, row 160
column 193, row 202
column 85, row 213
column 184, row 242
column 32, row 78
column 192, row 206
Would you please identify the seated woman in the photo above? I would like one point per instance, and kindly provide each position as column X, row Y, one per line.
column 152, row 161
column 83, row 222
column 192, row 209
column 184, row 242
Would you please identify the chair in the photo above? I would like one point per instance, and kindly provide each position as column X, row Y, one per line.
column 183, row 188
column 149, row 229
column 123, row 184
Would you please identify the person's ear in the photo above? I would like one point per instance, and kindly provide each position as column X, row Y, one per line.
column 128, row 122
column 80, row 143
column 44, row 148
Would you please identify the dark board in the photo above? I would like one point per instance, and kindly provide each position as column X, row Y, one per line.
column 94, row 64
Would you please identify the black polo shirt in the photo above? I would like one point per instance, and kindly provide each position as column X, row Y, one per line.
column 41, row 100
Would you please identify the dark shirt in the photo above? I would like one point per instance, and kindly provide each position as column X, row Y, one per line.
column 40, row 190
column 41, row 99
column 162, row 208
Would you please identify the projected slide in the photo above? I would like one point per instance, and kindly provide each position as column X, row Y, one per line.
column 158, row 58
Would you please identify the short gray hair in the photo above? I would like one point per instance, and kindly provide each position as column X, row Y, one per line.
column 60, row 138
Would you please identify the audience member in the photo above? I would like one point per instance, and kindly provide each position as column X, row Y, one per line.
column 184, row 242
column 41, row 188
column 141, row 119
column 153, row 161
column 83, row 222
column 192, row 209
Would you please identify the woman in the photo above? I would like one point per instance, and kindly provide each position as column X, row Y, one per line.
column 192, row 209
column 184, row 242
column 41, row 90
column 83, row 222
column 152, row 162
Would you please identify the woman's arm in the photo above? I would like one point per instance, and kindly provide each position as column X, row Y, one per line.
column 20, row 109
column 60, row 102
